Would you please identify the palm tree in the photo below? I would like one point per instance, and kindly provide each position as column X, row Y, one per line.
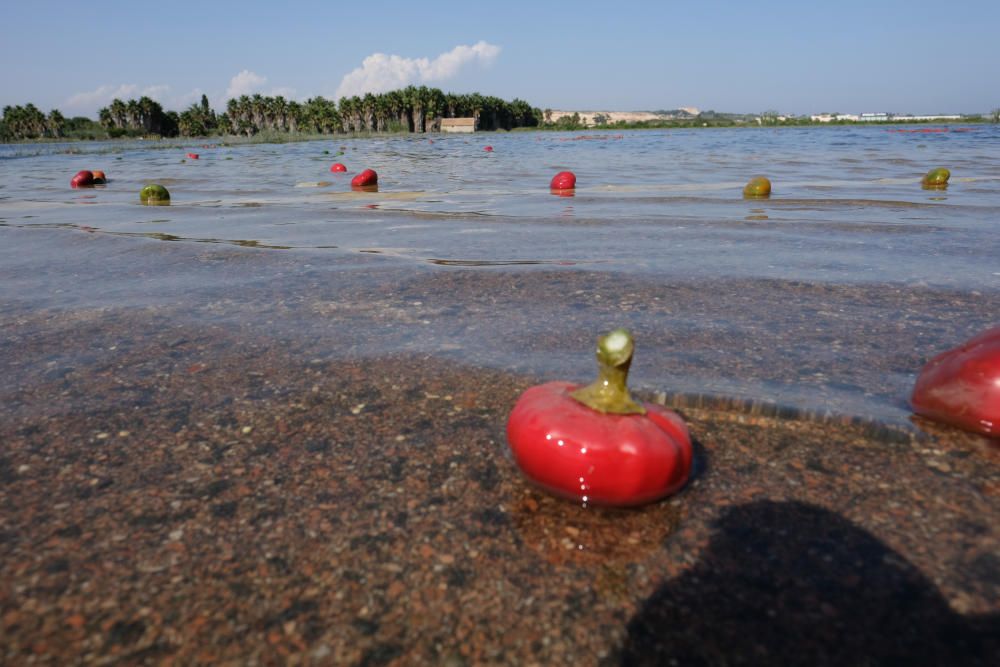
column 345, row 113
column 55, row 123
column 119, row 113
column 435, row 106
column 257, row 110
column 294, row 116
column 419, row 100
column 368, row 111
column 475, row 106
column 395, row 109
column 382, row 112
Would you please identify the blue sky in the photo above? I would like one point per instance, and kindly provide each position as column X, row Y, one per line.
column 794, row 57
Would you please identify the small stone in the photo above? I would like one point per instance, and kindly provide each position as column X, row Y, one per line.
column 942, row 466
column 246, row 430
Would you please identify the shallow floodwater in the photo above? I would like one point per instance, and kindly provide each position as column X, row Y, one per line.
column 847, row 247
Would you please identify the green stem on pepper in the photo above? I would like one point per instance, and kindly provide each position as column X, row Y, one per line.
column 608, row 393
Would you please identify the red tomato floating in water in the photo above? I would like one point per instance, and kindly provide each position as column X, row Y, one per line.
column 193, row 156
column 83, row 179
column 366, row 178
column 488, row 149
column 594, row 444
column 564, row 180
column 336, row 166
column 99, row 177
column 962, row 386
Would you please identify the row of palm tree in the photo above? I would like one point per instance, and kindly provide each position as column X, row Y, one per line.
column 144, row 116
column 411, row 109
column 28, row 122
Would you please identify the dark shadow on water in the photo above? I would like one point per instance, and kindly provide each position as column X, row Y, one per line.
column 787, row 583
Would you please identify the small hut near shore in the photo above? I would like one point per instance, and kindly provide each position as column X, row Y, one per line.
column 458, row 125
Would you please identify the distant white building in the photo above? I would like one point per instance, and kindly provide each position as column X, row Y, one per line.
column 830, row 117
column 461, row 125
column 907, row 118
column 870, row 117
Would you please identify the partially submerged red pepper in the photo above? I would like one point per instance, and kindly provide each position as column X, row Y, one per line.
column 962, row 386
column 365, row 179
column 594, row 444
column 83, row 179
column 563, row 181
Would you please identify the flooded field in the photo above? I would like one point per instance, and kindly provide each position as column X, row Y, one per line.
column 799, row 298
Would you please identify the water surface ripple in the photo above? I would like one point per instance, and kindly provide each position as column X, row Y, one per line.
column 827, row 296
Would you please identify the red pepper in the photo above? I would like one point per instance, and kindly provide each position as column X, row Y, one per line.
column 365, row 179
column 193, row 156
column 962, row 386
column 336, row 166
column 564, row 180
column 83, row 179
column 595, row 444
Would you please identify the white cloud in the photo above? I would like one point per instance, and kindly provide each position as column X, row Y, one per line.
column 283, row 91
column 182, row 102
column 90, row 101
column 380, row 72
column 245, row 83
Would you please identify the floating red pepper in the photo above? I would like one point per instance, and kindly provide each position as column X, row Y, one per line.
column 83, row 179
column 488, row 149
column 962, row 386
column 336, row 166
column 193, row 156
column 595, row 444
column 365, row 179
column 99, row 177
column 564, row 180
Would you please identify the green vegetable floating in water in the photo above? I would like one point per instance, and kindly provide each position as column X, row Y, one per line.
column 758, row 186
column 154, row 194
column 936, row 179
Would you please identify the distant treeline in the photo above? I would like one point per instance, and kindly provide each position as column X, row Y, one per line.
column 411, row 109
